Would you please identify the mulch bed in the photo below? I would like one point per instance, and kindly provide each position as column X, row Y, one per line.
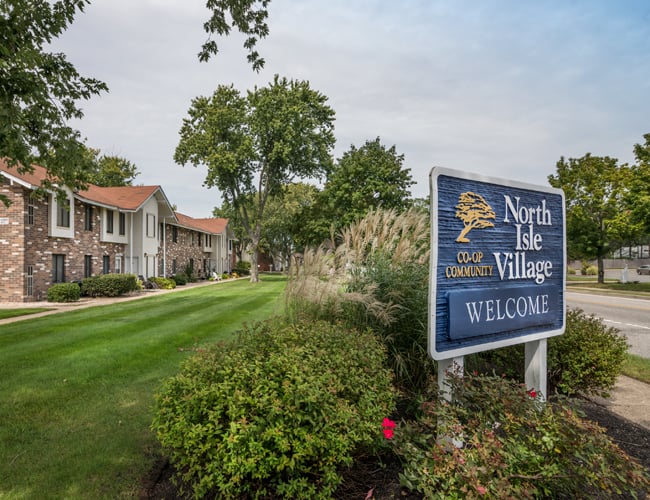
column 371, row 479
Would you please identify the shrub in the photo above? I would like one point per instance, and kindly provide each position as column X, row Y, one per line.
column 276, row 413
column 587, row 358
column 179, row 279
column 163, row 283
column 225, row 276
column 243, row 265
column 240, row 271
column 63, row 292
column 514, row 447
column 109, row 285
column 377, row 277
column 591, row 271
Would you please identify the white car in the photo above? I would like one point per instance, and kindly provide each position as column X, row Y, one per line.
column 644, row 269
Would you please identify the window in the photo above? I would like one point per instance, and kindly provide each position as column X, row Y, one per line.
column 63, row 214
column 200, row 239
column 122, row 224
column 88, row 218
column 151, row 226
column 192, row 265
column 174, row 266
column 174, row 234
column 30, row 281
column 106, row 264
column 88, row 266
column 118, row 264
column 58, row 268
column 109, row 221
column 30, row 213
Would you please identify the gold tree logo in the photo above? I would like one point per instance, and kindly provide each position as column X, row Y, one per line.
column 474, row 211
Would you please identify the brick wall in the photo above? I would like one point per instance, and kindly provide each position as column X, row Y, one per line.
column 12, row 240
column 28, row 245
column 185, row 248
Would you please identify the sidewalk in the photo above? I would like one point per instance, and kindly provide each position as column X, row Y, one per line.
column 629, row 399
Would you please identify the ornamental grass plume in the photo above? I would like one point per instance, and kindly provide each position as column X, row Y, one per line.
column 376, row 277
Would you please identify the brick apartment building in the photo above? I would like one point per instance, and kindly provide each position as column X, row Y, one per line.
column 129, row 229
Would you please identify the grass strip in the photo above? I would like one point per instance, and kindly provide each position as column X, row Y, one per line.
column 13, row 313
column 637, row 367
column 77, row 387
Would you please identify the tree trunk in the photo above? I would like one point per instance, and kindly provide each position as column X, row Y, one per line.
column 601, row 268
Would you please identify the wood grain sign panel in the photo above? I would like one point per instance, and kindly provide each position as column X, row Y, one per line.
column 497, row 263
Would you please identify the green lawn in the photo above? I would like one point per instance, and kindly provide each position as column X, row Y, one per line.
column 76, row 388
column 637, row 367
column 12, row 313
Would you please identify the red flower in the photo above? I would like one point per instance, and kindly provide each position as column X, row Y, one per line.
column 481, row 490
column 532, row 393
column 388, row 426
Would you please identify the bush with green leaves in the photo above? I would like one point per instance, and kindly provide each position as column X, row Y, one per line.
column 180, row 279
column 587, row 358
column 64, row 292
column 109, row 285
column 276, row 413
column 515, row 446
column 377, row 278
column 163, row 283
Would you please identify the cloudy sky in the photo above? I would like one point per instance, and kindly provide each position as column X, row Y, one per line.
column 498, row 87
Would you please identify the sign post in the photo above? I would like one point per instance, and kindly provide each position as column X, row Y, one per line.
column 498, row 269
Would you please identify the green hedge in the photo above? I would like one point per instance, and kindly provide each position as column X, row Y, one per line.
column 277, row 413
column 109, row 285
column 163, row 283
column 587, row 358
column 64, row 292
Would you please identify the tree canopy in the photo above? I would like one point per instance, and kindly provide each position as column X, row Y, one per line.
column 109, row 170
column 593, row 188
column 256, row 144
column 364, row 178
column 39, row 90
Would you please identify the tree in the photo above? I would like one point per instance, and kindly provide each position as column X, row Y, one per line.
column 364, row 178
column 39, row 91
column 593, row 188
column 284, row 220
column 112, row 170
column 638, row 197
column 255, row 145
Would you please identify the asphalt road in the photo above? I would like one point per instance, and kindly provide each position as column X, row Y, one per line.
column 630, row 316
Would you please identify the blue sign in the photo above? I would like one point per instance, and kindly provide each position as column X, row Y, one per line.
column 497, row 263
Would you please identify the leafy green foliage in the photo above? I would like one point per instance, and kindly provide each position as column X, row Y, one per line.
column 376, row 278
column 593, row 188
column 40, row 90
column 110, row 170
column 276, row 413
column 63, row 292
column 163, row 283
column 248, row 16
column 253, row 146
column 180, row 279
column 109, row 285
column 587, row 358
column 363, row 179
column 514, row 447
